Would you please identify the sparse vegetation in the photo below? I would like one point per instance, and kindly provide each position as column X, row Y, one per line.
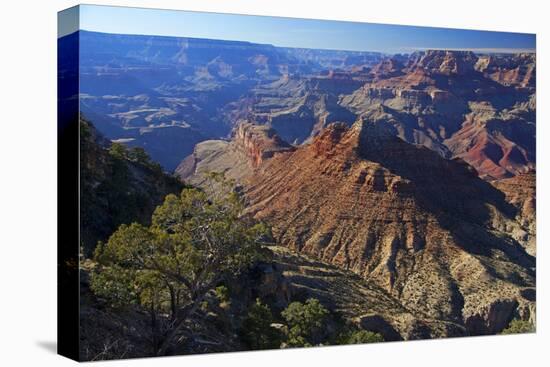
column 519, row 327
column 359, row 337
column 118, row 151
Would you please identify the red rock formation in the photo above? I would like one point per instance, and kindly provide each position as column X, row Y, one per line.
column 449, row 102
column 258, row 142
column 250, row 146
column 414, row 79
column 492, row 145
column 446, row 62
column 521, row 192
column 388, row 68
column 518, row 70
column 418, row 225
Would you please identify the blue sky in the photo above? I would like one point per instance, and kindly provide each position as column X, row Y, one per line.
column 292, row 32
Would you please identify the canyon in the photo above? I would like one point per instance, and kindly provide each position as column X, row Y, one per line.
column 399, row 189
column 167, row 94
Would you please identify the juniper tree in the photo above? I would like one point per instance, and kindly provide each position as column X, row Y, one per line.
column 171, row 265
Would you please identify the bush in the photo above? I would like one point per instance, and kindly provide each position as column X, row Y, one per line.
column 359, row 337
column 256, row 331
column 138, row 155
column 519, row 327
column 118, row 151
column 306, row 323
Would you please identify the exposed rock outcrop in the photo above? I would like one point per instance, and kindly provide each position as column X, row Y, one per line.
column 445, row 62
column 480, row 109
column 518, row 70
column 258, row 142
column 497, row 144
column 492, row 319
column 250, row 146
column 521, row 192
column 359, row 300
column 419, row 226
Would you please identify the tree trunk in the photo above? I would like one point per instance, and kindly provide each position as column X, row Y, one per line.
column 184, row 314
column 154, row 329
column 173, row 303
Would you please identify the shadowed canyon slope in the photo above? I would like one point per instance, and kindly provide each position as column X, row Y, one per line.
column 116, row 187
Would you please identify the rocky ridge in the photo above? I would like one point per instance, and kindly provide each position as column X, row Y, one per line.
column 237, row 158
column 423, row 228
column 452, row 102
column 436, row 98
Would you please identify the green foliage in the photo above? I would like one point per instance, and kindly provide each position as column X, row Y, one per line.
column 224, row 241
column 124, row 278
column 222, row 293
column 190, row 244
column 138, row 155
column 306, row 322
column 256, row 331
column 519, row 327
column 118, row 151
column 171, row 265
column 359, row 337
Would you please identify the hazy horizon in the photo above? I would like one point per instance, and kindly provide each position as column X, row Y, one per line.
column 295, row 32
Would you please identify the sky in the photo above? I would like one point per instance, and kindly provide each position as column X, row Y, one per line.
column 294, row 32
